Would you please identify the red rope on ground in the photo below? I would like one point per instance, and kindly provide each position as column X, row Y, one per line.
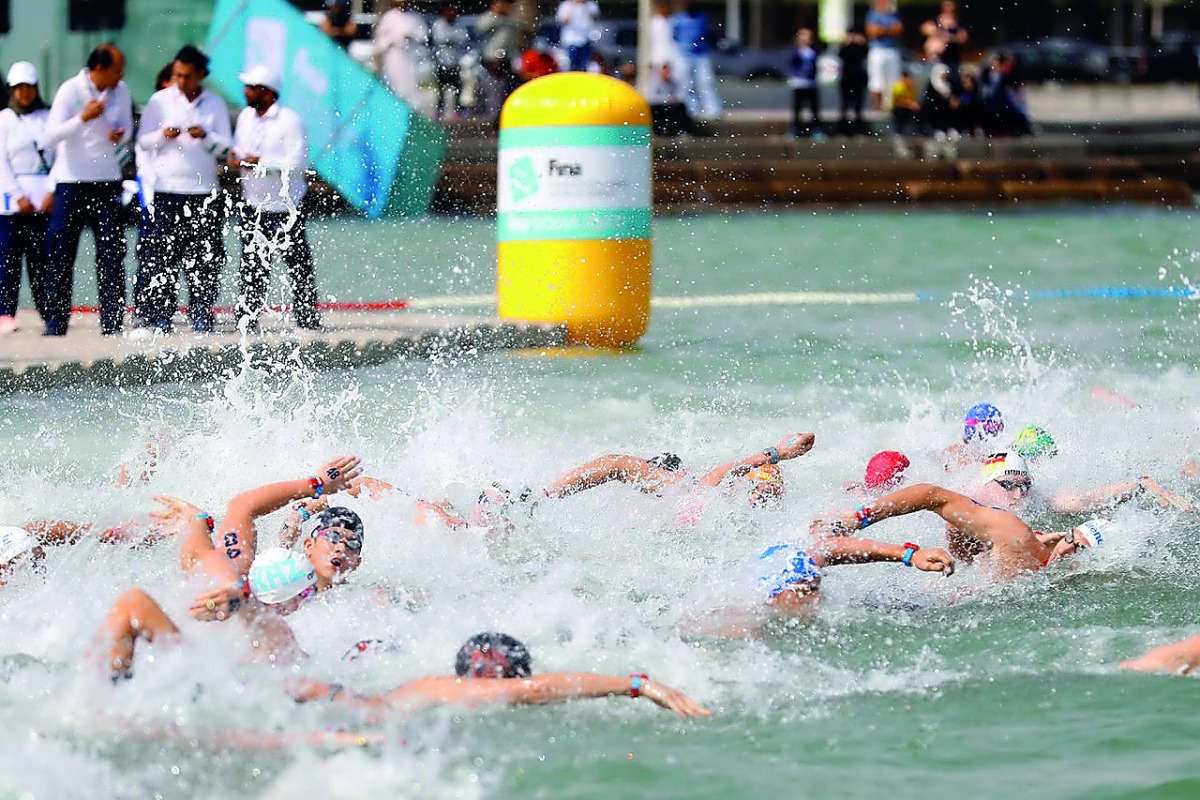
column 372, row 305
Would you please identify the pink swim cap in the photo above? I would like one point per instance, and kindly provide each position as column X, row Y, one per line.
column 885, row 470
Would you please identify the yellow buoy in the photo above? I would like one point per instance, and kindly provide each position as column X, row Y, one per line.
column 573, row 208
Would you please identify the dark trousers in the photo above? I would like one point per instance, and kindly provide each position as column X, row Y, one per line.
column 448, row 78
column 23, row 238
column 185, row 231
column 263, row 234
column 76, row 206
column 805, row 99
column 852, row 101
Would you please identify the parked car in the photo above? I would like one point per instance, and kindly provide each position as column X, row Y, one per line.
column 1058, row 59
column 730, row 58
column 1175, row 58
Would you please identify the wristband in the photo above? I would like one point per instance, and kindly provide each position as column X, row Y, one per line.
column 909, row 550
column 302, row 511
column 863, row 515
column 314, row 483
column 208, row 520
column 635, row 684
column 772, row 455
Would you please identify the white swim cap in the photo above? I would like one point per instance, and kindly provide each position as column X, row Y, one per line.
column 1094, row 531
column 13, row 542
column 279, row 574
column 1005, row 462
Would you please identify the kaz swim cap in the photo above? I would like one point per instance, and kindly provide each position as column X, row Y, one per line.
column 983, row 422
column 493, row 655
column 13, row 542
column 1035, row 442
column 1005, row 462
column 668, row 461
column 885, row 470
column 279, row 574
column 1093, row 532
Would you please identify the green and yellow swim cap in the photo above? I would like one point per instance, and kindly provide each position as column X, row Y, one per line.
column 1035, row 443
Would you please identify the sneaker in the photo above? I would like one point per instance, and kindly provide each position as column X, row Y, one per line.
column 8, row 324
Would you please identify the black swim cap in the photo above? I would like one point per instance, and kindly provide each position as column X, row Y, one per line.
column 493, row 655
column 336, row 517
column 668, row 461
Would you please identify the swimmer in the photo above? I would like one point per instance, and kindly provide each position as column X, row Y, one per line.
column 1037, row 445
column 885, row 473
column 333, row 542
column 1010, row 547
column 653, row 475
column 496, row 669
column 791, row 580
column 982, row 424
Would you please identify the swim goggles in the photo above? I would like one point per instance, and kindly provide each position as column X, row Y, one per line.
column 352, row 541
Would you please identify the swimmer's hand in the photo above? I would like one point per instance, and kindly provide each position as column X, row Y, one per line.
column 174, row 515
column 1165, row 497
column 841, row 523
column 795, row 445
column 673, row 699
column 217, row 605
column 933, row 559
column 339, row 474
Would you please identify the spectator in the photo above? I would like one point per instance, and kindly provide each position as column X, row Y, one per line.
column 853, row 80
column 945, row 38
column 906, row 108
column 939, row 103
column 500, row 31
column 185, row 128
column 689, row 29
column 969, row 117
column 450, row 44
column 144, row 161
column 338, row 24
column 28, row 194
column 883, row 50
column 668, row 114
column 663, row 49
column 401, row 38
column 802, row 78
column 577, row 19
column 90, row 118
column 1003, row 112
column 271, row 150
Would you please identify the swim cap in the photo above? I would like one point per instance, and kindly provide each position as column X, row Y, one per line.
column 1035, row 442
column 885, row 469
column 983, row 421
column 279, row 574
column 493, row 655
column 785, row 566
column 13, row 542
column 336, row 517
column 1005, row 462
column 1094, row 531
column 668, row 461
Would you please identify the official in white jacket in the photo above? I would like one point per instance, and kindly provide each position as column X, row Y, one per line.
column 91, row 120
column 271, row 150
column 26, row 193
column 185, row 129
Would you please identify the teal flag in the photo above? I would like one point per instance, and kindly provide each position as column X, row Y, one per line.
column 382, row 156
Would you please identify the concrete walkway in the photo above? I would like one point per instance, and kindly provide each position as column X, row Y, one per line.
column 32, row 362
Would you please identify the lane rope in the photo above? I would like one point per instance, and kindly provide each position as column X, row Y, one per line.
column 751, row 299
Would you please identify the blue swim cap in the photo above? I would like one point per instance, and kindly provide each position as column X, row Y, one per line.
column 787, row 565
column 982, row 422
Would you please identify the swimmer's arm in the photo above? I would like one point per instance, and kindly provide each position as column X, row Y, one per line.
column 538, row 690
column 918, row 497
column 289, row 534
column 627, row 469
column 1191, row 469
column 1096, row 499
column 374, row 488
column 1180, row 657
column 442, row 509
column 837, row 550
column 791, row 447
column 238, row 535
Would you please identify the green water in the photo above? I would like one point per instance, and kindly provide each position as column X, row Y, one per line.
column 892, row 691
